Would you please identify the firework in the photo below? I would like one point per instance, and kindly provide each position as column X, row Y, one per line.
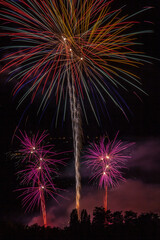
column 39, row 168
column 80, row 50
column 106, row 161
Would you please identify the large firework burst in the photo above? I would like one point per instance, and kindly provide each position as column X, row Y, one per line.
column 106, row 161
column 80, row 50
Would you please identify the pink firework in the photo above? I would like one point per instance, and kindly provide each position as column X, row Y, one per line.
column 106, row 161
column 30, row 146
column 39, row 168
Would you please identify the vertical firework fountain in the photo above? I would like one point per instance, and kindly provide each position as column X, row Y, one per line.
column 41, row 189
column 76, row 125
column 39, row 168
column 106, row 162
column 76, row 129
column 43, row 205
column 77, row 132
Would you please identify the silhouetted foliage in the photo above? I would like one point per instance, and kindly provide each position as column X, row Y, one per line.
column 85, row 225
column 74, row 222
column 85, row 218
column 98, row 217
column 108, row 217
column 149, row 225
column 105, row 226
column 130, row 217
column 117, row 218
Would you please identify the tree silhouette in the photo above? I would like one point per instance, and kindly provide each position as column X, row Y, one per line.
column 130, row 227
column 117, row 217
column 85, row 218
column 130, row 217
column 98, row 217
column 149, row 226
column 85, row 224
column 74, row 221
column 108, row 217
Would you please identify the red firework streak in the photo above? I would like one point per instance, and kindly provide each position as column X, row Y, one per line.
column 39, row 168
column 43, row 205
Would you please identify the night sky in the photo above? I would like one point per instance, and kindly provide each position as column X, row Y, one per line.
column 141, row 191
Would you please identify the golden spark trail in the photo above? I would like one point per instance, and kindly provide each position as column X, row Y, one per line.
column 77, row 132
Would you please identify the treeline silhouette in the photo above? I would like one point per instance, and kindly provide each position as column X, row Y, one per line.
column 104, row 226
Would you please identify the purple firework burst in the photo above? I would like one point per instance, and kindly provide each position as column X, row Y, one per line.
column 106, row 160
column 40, row 166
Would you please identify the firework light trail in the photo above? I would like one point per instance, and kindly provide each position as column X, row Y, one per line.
column 79, row 50
column 106, row 161
column 39, row 168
